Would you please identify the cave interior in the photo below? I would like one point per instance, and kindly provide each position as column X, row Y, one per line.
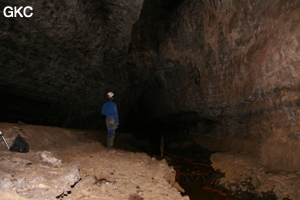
column 223, row 73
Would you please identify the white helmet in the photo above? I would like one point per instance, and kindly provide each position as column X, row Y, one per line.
column 110, row 95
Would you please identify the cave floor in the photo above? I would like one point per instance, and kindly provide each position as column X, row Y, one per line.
column 80, row 167
column 74, row 164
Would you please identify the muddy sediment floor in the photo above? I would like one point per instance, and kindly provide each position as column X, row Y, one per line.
column 74, row 164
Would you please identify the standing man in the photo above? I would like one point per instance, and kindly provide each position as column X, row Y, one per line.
column 110, row 110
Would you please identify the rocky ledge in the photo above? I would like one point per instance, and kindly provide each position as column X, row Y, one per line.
column 73, row 164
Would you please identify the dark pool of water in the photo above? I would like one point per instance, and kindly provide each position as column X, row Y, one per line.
column 198, row 191
column 196, row 180
column 195, row 174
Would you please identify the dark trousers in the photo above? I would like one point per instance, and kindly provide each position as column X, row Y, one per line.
column 110, row 140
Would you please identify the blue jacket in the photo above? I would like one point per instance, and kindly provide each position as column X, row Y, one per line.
column 110, row 109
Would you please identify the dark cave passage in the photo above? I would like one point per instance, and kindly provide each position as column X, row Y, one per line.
column 223, row 75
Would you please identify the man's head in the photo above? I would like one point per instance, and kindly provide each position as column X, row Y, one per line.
column 110, row 96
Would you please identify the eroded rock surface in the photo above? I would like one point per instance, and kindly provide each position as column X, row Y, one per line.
column 236, row 65
column 244, row 174
column 64, row 59
column 73, row 164
column 33, row 178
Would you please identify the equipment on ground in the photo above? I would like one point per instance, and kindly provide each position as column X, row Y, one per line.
column 19, row 144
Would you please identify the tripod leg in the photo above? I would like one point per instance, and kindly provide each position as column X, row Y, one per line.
column 4, row 140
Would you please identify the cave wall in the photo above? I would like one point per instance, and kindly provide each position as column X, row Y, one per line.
column 58, row 65
column 235, row 63
column 232, row 64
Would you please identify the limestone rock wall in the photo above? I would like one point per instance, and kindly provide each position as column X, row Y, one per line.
column 64, row 59
column 236, row 63
column 232, row 63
